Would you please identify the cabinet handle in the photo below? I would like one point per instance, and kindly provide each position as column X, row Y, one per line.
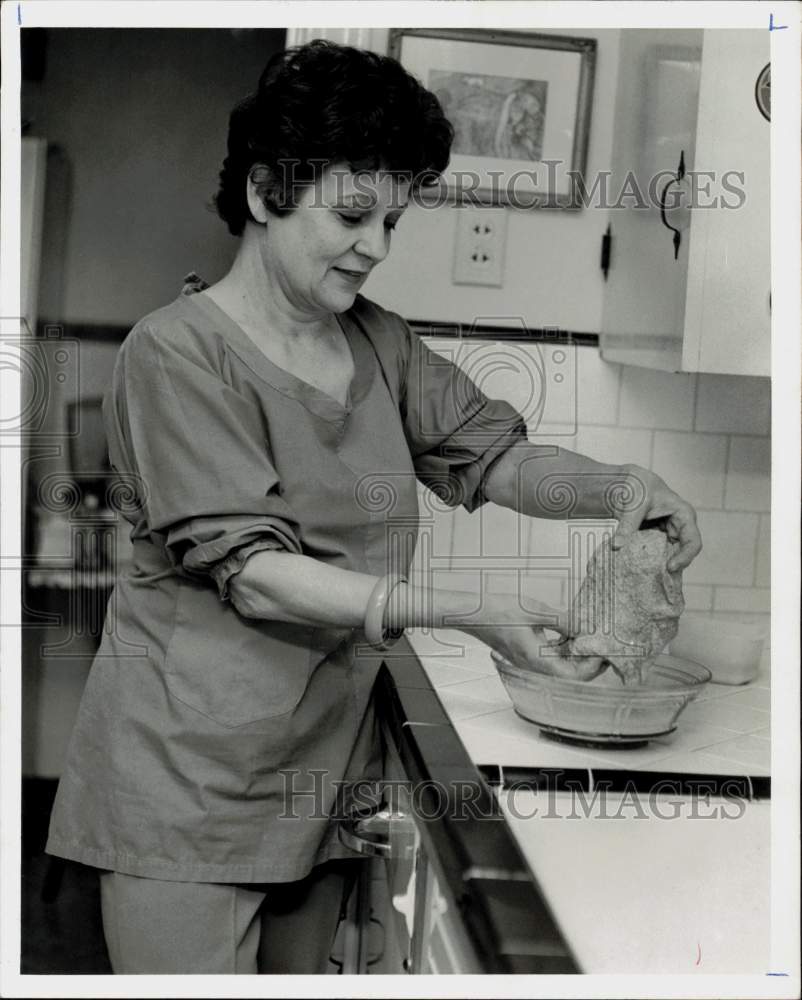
column 677, row 238
column 607, row 241
column 370, row 835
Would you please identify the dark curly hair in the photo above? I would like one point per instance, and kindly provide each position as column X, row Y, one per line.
column 323, row 103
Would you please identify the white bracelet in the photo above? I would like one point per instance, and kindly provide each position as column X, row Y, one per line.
column 374, row 629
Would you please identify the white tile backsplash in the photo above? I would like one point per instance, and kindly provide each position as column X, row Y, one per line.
column 467, row 536
column 529, row 586
column 559, row 435
column 616, row 445
column 598, row 387
column 733, row 404
column 520, row 374
column 549, row 540
column 558, row 367
column 656, row 399
column 705, row 435
column 728, row 555
column 693, row 465
column 552, row 589
column 540, row 380
column 468, row 580
column 748, row 484
column 437, row 523
column 503, row 532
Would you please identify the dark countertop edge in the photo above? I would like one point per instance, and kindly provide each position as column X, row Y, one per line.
column 504, row 912
column 741, row 786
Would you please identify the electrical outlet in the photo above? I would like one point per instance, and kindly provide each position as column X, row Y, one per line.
column 479, row 246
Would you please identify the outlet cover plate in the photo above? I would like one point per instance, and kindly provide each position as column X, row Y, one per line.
column 479, row 245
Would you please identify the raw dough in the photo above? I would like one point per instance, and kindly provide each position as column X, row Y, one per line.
column 628, row 606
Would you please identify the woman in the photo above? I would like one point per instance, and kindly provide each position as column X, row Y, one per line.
column 255, row 419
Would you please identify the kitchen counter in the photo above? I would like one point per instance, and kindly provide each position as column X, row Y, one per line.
column 637, row 882
column 726, row 730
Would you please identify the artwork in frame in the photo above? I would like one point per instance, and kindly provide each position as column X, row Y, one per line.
column 520, row 105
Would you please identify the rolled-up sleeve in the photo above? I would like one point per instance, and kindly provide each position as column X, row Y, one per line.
column 223, row 571
column 455, row 432
column 198, row 451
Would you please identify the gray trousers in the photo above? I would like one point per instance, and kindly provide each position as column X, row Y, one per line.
column 154, row 926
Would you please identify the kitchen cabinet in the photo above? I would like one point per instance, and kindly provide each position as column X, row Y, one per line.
column 448, row 890
column 687, row 250
column 422, row 930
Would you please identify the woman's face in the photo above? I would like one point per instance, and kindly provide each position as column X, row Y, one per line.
column 321, row 252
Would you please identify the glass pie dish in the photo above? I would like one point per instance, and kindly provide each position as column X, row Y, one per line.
column 604, row 712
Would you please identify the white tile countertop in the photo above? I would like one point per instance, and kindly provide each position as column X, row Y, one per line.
column 638, row 883
column 726, row 730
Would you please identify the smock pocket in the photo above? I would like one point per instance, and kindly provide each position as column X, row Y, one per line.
column 236, row 670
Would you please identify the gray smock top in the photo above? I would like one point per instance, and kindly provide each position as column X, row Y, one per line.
column 210, row 747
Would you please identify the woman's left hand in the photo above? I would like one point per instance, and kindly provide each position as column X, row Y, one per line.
column 651, row 500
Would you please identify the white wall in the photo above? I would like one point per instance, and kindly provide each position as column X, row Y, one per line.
column 552, row 276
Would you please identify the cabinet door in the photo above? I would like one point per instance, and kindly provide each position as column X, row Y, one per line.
column 654, row 126
column 728, row 318
column 423, row 927
column 708, row 308
column 444, row 946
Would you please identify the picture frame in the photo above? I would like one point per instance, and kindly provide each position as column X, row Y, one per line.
column 520, row 103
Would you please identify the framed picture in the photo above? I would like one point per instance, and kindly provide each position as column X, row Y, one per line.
column 520, row 105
